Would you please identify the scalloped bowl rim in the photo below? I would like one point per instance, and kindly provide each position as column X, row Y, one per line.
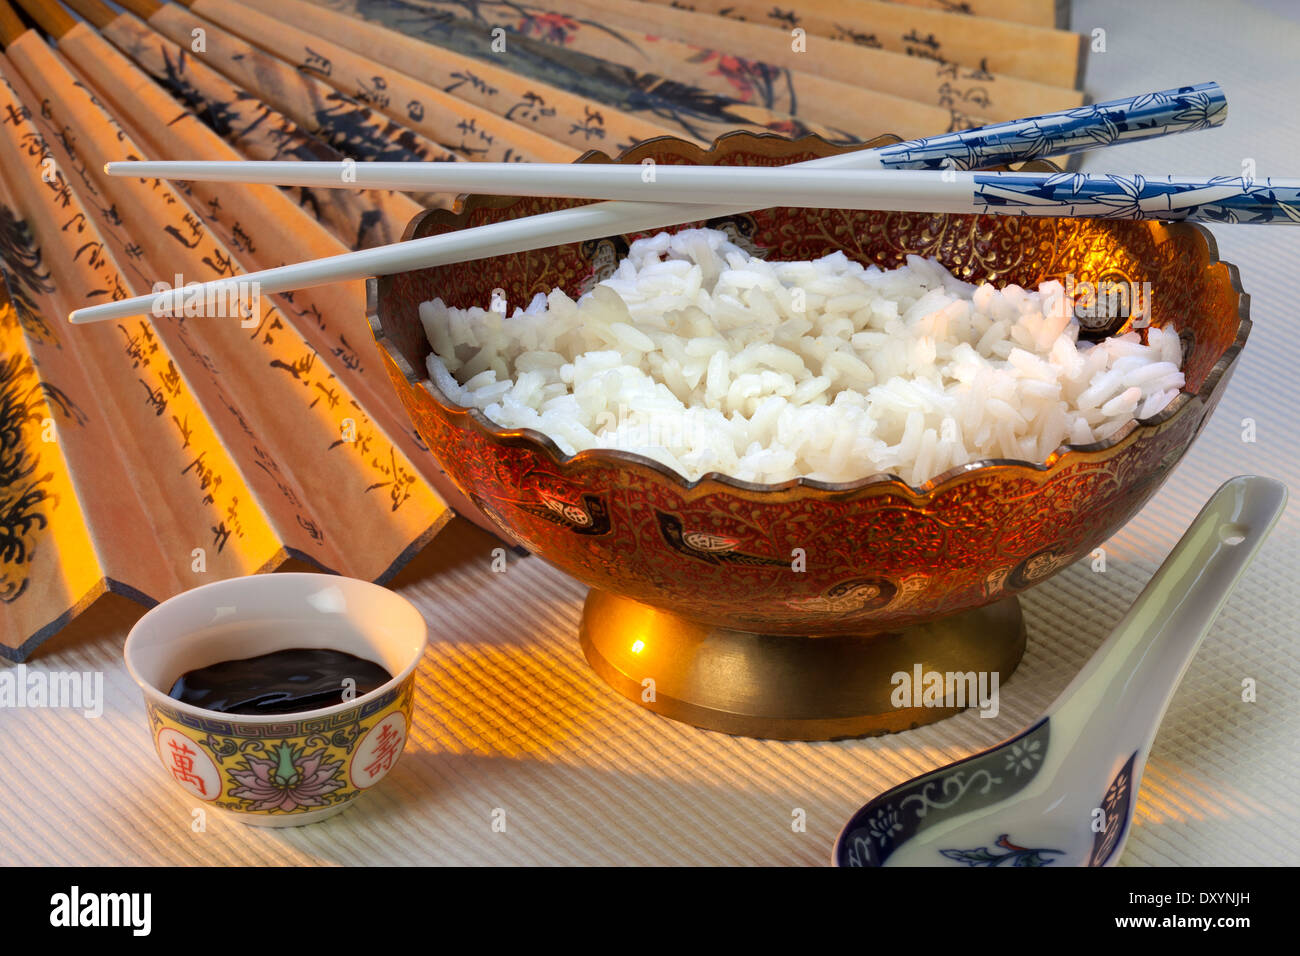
column 541, row 442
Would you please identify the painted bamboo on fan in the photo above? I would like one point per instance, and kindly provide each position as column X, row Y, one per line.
column 815, row 63
column 101, row 459
column 333, row 487
column 467, row 130
column 1040, row 54
column 751, row 62
column 331, row 318
column 361, row 219
column 579, row 121
column 709, row 115
column 696, row 99
column 350, row 127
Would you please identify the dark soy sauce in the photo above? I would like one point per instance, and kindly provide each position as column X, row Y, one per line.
column 282, row 682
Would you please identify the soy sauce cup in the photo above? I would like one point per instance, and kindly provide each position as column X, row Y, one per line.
column 283, row 769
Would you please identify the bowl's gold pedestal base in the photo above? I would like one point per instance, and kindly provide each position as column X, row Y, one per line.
column 786, row 687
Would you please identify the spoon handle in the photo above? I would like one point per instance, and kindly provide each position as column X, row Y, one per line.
column 1122, row 693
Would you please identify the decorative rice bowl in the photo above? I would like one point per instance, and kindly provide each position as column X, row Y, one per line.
column 842, row 552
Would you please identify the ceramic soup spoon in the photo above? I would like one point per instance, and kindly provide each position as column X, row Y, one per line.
column 1061, row 793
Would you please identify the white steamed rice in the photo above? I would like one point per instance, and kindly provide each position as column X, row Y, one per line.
column 698, row 355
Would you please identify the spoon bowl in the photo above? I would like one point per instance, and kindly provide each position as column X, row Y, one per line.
column 1061, row 793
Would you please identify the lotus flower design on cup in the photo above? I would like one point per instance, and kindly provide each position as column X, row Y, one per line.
column 288, row 778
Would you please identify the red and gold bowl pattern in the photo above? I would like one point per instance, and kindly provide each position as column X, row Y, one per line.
column 807, row 557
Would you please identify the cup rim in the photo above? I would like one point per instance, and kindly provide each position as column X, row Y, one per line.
column 158, row 696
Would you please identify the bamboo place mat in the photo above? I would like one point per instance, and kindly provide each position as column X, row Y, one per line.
column 509, row 717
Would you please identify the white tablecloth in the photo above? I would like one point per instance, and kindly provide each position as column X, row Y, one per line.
column 509, row 716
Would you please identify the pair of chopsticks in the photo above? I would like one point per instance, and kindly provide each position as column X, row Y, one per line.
column 927, row 175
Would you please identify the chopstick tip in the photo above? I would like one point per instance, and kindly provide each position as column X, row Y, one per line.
column 87, row 315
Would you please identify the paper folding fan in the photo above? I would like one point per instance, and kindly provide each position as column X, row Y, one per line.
column 151, row 456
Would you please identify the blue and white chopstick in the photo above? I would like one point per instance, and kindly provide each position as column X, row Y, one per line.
column 1107, row 196
column 1231, row 199
column 1182, row 110
column 1153, row 114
